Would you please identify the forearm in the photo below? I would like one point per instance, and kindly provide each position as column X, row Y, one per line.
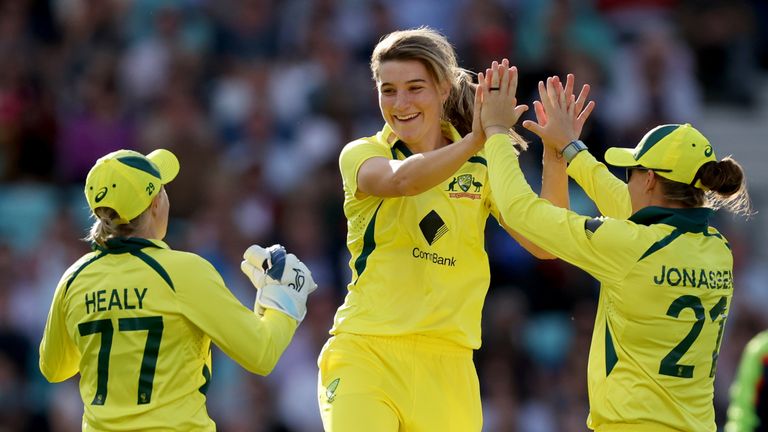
column 258, row 345
column 423, row 171
column 554, row 181
column 610, row 194
column 554, row 188
column 556, row 230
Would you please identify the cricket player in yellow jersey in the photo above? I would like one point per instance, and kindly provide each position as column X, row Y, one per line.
column 136, row 318
column 666, row 275
column 417, row 199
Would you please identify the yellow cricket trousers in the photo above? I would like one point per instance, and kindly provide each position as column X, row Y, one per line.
column 406, row 383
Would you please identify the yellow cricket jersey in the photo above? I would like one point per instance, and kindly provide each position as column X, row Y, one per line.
column 418, row 262
column 666, row 285
column 136, row 320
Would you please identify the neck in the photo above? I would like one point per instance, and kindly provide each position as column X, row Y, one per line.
column 429, row 144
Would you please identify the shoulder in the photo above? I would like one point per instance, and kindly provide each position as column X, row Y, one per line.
column 185, row 271
column 620, row 234
column 356, row 152
column 71, row 273
column 82, row 261
column 185, row 261
column 364, row 146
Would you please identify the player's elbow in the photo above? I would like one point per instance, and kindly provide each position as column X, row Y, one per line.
column 52, row 375
column 264, row 367
column 403, row 186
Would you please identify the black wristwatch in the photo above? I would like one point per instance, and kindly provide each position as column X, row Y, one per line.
column 572, row 149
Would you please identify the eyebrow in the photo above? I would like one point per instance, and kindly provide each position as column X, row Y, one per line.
column 413, row 81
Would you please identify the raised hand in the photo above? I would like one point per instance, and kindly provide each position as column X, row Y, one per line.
column 560, row 116
column 497, row 89
column 282, row 280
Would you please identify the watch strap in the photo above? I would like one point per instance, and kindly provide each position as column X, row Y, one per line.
column 572, row 149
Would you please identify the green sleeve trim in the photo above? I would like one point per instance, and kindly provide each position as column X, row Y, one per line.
column 610, row 352
column 77, row 272
column 369, row 244
column 154, row 265
column 478, row 159
column 662, row 243
column 207, row 375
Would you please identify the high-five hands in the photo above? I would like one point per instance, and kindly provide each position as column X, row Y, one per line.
column 497, row 89
column 560, row 116
column 282, row 280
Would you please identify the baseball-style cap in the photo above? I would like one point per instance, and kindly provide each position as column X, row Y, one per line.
column 127, row 181
column 673, row 151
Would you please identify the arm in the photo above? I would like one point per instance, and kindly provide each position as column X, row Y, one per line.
column 554, row 188
column 383, row 177
column 590, row 244
column 605, row 249
column 568, row 117
column 255, row 342
column 419, row 172
column 742, row 415
column 554, row 185
column 610, row 194
column 59, row 356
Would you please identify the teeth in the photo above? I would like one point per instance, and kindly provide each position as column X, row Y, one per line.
column 406, row 117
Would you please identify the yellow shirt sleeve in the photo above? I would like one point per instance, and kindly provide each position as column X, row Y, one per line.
column 59, row 356
column 610, row 194
column 352, row 157
column 253, row 341
column 605, row 248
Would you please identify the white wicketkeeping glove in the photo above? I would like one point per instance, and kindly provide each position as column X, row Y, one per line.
column 284, row 285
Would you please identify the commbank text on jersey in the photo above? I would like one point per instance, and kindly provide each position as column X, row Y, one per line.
column 122, row 299
column 694, row 277
column 435, row 258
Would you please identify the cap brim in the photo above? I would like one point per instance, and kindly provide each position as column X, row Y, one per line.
column 166, row 162
column 620, row 157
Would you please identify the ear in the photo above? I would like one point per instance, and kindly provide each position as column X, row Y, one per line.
column 650, row 181
column 155, row 203
column 445, row 91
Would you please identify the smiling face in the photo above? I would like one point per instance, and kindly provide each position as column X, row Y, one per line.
column 411, row 102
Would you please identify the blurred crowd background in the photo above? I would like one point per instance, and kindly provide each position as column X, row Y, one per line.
column 257, row 97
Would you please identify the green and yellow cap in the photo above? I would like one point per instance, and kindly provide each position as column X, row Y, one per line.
column 127, row 181
column 673, row 151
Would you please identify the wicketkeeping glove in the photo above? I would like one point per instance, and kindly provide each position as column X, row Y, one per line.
column 283, row 284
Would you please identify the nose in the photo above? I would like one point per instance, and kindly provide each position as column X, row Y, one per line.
column 402, row 100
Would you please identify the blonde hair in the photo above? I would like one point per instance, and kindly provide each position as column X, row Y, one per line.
column 106, row 225
column 433, row 50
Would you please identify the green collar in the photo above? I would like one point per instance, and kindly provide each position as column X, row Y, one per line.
column 684, row 219
column 121, row 245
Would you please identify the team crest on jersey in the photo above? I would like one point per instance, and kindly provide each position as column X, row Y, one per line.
column 330, row 391
column 468, row 187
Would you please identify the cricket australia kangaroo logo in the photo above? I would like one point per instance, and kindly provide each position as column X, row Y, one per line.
column 465, row 182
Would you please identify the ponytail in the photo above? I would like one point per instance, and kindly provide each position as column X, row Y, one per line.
column 106, row 226
column 724, row 184
column 727, row 187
